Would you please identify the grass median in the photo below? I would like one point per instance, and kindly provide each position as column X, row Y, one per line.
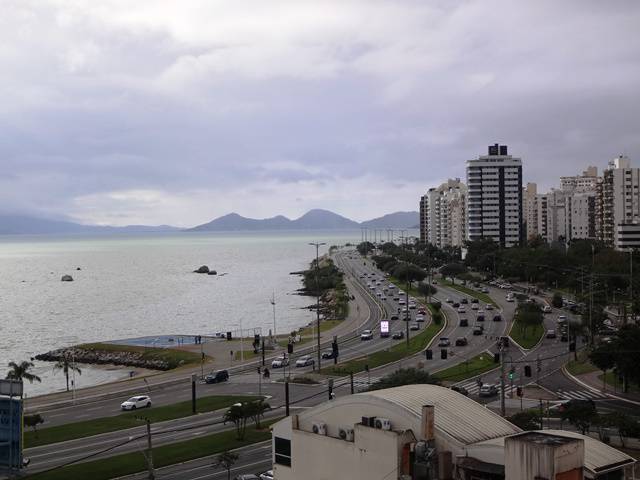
column 129, row 463
column 483, row 297
column 173, row 357
column 417, row 343
column 526, row 337
column 468, row 368
column 97, row 426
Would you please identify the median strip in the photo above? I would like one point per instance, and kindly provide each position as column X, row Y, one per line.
column 71, row 431
column 467, row 368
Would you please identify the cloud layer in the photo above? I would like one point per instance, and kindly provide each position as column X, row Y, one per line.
column 124, row 112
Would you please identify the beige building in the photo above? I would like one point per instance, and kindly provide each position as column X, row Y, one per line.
column 530, row 209
column 443, row 215
column 416, row 432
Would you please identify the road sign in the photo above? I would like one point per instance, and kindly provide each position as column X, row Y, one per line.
column 11, row 388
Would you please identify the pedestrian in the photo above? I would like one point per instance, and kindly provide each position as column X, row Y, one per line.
column 266, row 372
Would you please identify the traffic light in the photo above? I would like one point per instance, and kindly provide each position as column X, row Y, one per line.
column 330, row 388
column 290, row 348
column 259, row 370
column 527, row 370
column 429, row 354
column 512, row 373
column 519, row 391
column 366, row 368
column 228, row 335
column 496, row 357
column 334, row 349
column 572, row 346
column 443, row 354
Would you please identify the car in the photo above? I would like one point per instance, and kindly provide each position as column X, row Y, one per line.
column 484, row 290
column 474, row 306
column 246, row 476
column 487, row 390
column 461, row 390
column 412, row 306
column 396, row 298
column 420, row 318
column 475, row 300
column 361, row 275
column 268, row 475
column 461, row 342
column 414, row 326
column 464, row 322
column 399, row 335
column 378, row 294
column 551, row 334
column 480, row 312
column 503, row 342
column 422, row 311
column 464, row 301
column 405, row 310
column 328, row 354
column 510, row 298
column 497, row 318
column 448, row 300
column 394, row 316
column 217, row 377
column 488, row 306
column 383, row 297
column 546, row 309
column 444, row 342
column 562, row 318
column 391, row 286
column 480, row 318
column 372, row 287
column 280, row 362
column 305, row 361
column 402, row 301
column 478, row 330
column 455, row 305
column 461, row 309
column 139, row 401
column 366, row 335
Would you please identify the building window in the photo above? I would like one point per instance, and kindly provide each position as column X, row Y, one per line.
column 282, row 451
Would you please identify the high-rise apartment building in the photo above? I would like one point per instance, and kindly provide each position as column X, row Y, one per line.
column 618, row 204
column 530, row 209
column 494, row 205
column 443, row 215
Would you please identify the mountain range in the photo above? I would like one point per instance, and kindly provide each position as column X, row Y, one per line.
column 316, row 219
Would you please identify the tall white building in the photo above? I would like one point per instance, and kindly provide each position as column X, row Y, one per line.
column 619, row 204
column 443, row 215
column 494, row 205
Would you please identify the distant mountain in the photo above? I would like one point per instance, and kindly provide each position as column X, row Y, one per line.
column 26, row 225
column 394, row 220
column 312, row 220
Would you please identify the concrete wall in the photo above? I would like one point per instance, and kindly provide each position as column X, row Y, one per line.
column 525, row 460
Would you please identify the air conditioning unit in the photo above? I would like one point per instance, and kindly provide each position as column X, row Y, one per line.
column 383, row 423
column 319, row 428
column 346, row 433
column 369, row 421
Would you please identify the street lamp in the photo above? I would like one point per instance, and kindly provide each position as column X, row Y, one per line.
column 318, row 245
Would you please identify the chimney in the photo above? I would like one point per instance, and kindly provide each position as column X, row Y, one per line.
column 427, row 424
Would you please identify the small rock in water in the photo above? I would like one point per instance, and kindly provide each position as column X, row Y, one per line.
column 78, row 268
column 212, row 272
column 202, row 269
column 66, row 278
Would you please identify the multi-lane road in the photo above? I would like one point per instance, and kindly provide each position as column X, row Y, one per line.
column 549, row 355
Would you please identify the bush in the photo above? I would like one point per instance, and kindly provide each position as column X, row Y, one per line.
column 556, row 301
column 437, row 318
column 436, row 305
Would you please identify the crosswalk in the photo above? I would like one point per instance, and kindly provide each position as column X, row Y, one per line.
column 580, row 395
column 473, row 388
column 363, row 382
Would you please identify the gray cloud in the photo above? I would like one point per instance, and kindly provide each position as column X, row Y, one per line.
column 150, row 112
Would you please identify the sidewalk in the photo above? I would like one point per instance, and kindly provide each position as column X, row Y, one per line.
column 592, row 381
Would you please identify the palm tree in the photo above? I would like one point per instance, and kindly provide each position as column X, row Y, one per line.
column 66, row 366
column 226, row 460
column 20, row 371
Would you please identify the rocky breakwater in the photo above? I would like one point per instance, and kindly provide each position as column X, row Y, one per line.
column 97, row 356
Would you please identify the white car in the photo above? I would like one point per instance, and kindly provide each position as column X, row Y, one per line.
column 448, row 300
column 139, row 401
column 474, row 306
column 305, row 361
column 546, row 309
column 461, row 309
column 366, row 335
column 383, row 297
column 268, row 475
column 279, row 362
column 489, row 306
column 401, row 301
column 419, row 318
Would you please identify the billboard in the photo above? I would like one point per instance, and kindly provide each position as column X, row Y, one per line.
column 10, row 432
column 384, row 328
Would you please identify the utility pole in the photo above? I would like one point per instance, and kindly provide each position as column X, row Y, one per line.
column 273, row 303
column 152, row 474
column 502, row 406
column 318, row 245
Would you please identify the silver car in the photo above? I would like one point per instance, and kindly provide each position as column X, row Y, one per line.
column 305, row 361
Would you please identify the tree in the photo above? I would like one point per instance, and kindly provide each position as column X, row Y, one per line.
column 66, row 365
column 33, row 421
column 603, row 357
column 20, row 371
column 407, row 272
column 237, row 414
column 580, row 413
column 556, row 300
column 255, row 410
column 527, row 420
column 529, row 315
column 625, row 345
column 452, row 270
column 426, row 289
column 226, row 460
column 404, row 376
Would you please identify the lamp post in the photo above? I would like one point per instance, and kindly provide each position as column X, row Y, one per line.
column 318, row 245
column 273, row 303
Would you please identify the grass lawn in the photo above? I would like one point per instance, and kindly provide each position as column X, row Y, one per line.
column 613, row 383
column 417, row 343
column 87, row 428
column 532, row 337
column 474, row 366
column 175, row 358
column 483, row 297
column 580, row 366
column 129, row 463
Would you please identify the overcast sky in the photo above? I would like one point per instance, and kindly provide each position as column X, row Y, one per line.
column 150, row 111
